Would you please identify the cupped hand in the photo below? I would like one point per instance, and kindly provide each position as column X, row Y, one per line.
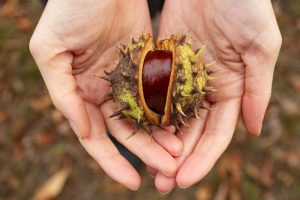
column 244, row 40
column 73, row 43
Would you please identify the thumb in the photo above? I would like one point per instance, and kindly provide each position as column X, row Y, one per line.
column 260, row 59
column 57, row 74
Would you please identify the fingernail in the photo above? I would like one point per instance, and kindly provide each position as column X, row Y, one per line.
column 75, row 129
column 258, row 131
column 178, row 150
column 164, row 192
column 134, row 188
column 183, row 187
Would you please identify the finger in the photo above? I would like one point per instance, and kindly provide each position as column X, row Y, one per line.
column 168, row 140
column 140, row 144
column 218, row 132
column 100, row 147
column 56, row 70
column 190, row 136
column 164, row 184
column 260, row 59
column 167, row 27
column 151, row 171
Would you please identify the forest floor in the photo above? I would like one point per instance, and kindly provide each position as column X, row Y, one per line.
column 36, row 143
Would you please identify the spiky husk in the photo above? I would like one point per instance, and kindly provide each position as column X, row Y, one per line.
column 187, row 86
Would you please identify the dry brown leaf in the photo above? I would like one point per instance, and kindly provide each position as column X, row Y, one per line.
column 203, row 193
column 285, row 178
column 273, row 128
column 17, row 131
column 45, row 138
column 24, row 23
column 263, row 173
column 266, row 172
column 234, row 194
column 298, row 24
column 41, row 103
column 288, row 104
column 53, row 186
column 291, row 157
column 3, row 116
column 296, row 79
column 3, row 86
column 9, row 8
column 223, row 191
column 230, row 173
column 12, row 10
column 56, row 115
column 63, row 128
column 230, row 168
column 277, row 8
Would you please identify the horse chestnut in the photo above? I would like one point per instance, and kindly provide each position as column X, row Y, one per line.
column 159, row 84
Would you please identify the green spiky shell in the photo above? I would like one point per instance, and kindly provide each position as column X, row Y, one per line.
column 188, row 85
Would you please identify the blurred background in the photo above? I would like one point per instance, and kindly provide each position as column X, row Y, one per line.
column 41, row 158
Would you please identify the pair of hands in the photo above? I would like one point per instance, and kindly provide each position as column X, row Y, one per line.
column 74, row 41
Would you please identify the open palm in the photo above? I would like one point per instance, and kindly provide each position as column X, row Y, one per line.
column 244, row 40
column 73, row 43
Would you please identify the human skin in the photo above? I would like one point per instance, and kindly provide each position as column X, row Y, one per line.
column 76, row 41
column 244, row 39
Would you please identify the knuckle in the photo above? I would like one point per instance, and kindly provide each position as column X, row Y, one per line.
column 262, row 95
column 270, row 46
column 34, row 45
column 64, row 101
column 279, row 40
column 60, row 99
column 276, row 43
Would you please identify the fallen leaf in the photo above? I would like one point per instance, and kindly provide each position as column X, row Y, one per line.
column 53, row 186
column 17, row 131
column 24, row 24
column 3, row 116
column 18, row 85
column 263, row 173
column 277, row 8
column 3, row 86
column 285, row 178
column 9, row 8
column 56, row 115
column 45, row 138
column 230, row 168
column 230, row 173
column 272, row 129
column 252, row 171
column 63, row 128
column 296, row 79
column 289, row 105
column 203, row 193
column 298, row 24
column 291, row 157
column 266, row 172
column 41, row 103
column 234, row 194
column 14, row 182
column 12, row 10
column 223, row 191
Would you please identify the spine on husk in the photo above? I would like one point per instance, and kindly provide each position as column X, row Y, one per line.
column 186, row 90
